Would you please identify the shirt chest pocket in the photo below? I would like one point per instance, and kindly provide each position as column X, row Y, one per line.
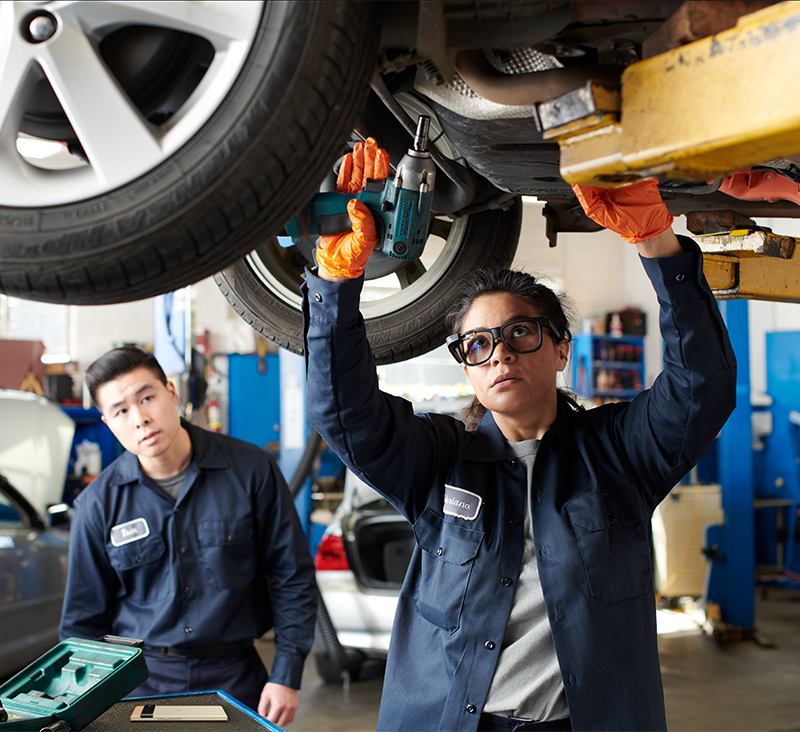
column 614, row 544
column 227, row 549
column 448, row 553
column 141, row 568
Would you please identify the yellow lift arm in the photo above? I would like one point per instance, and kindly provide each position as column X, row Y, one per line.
column 698, row 112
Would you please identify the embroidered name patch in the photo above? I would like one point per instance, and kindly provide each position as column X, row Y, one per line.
column 129, row 531
column 461, row 503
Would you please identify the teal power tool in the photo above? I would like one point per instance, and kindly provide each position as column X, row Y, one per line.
column 401, row 206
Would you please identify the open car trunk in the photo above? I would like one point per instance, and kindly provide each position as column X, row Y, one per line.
column 379, row 548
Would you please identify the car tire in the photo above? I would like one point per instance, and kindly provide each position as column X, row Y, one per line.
column 264, row 287
column 259, row 156
column 330, row 673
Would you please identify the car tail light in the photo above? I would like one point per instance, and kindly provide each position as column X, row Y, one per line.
column 330, row 554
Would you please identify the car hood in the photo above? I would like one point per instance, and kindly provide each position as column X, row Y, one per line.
column 35, row 443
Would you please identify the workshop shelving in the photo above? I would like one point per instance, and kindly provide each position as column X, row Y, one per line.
column 608, row 368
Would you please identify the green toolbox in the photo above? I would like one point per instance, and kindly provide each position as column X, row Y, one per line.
column 73, row 683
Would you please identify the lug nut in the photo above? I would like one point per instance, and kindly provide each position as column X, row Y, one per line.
column 41, row 28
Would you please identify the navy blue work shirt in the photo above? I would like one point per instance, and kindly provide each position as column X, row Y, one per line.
column 597, row 478
column 223, row 564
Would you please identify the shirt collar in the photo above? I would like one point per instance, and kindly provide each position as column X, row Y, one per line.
column 206, row 455
column 488, row 443
column 207, row 451
column 564, row 426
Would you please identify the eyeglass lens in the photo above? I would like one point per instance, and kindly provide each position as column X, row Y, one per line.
column 521, row 337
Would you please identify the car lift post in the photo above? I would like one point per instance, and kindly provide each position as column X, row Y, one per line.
column 732, row 567
column 294, row 428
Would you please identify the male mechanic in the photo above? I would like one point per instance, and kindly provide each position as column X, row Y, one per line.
column 191, row 542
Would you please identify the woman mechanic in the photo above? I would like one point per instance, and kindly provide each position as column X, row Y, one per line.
column 528, row 602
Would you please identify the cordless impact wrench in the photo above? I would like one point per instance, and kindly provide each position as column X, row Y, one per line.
column 401, row 206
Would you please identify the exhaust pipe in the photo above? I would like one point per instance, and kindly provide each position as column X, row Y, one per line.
column 528, row 89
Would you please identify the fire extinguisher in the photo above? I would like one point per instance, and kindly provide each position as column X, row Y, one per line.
column 214, row 415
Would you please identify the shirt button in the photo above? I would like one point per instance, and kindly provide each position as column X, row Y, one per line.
column 489, row 645
column 187, row 630
column 544, row 551
column 185, row 590
column 471, row 708
column 138, row 560
column 439, row 552
column 318, row 297
column 612, row 519
column 513, row 463
column 506, row 581
column 182, row 550
column 227, row 538
column 679, row 278
column 540, row 496
column 513, row 522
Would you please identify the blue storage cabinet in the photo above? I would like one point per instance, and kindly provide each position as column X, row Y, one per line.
column 89, row 426
column 254, row 397
column 608, row 368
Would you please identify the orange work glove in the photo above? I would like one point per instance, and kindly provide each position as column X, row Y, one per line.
column 345, row 255
column 635, row 212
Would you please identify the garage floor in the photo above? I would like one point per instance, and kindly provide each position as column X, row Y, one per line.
column 741, row 686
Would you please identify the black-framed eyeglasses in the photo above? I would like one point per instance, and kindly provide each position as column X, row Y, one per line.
column 520, row 336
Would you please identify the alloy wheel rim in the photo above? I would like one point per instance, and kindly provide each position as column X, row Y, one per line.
column 59, row 44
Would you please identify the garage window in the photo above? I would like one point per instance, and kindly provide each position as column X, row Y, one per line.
column 25, row 320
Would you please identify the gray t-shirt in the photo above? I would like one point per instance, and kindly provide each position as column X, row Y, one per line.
column 527, row 680
column 172, row 486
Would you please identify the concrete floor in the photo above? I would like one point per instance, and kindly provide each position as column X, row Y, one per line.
column 740, row 686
